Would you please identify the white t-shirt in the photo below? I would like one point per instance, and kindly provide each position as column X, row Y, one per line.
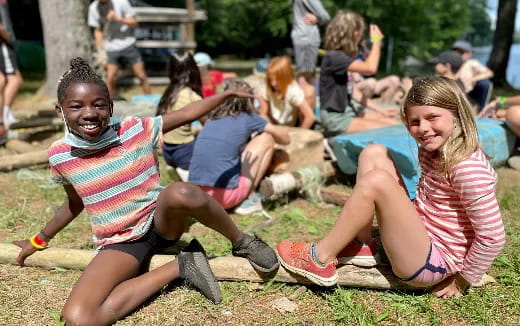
column 116, row 36
column 285, row 111
column 468, row 70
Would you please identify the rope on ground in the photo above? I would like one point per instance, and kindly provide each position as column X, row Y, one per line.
column 46, row 181
column 260, row 225
column 311, row 182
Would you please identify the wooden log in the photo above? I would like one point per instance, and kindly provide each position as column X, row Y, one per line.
column 19, row 146
column 282, row 183
column 306, row 148
column 38, row 122
column 332, row 196
column 17, row 161
column 224, row 268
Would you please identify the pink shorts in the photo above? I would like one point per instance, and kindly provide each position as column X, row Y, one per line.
column 230, row 197
column 433, row 271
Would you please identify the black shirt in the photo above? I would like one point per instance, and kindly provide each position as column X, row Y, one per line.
column 334, row 94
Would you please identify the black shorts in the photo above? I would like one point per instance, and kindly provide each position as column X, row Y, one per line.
column 143, row 248
column 8, row 63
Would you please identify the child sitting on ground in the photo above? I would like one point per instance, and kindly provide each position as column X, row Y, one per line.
column 342, row 38
column 225, row 163
column 282, row 100
column 185, row 87
column 448, row 237
column 110, row 169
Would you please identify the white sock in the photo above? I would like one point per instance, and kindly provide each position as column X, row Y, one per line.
column 8, row 116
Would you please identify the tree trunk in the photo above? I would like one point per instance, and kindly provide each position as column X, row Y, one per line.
column 66, row 35
column 502, row 41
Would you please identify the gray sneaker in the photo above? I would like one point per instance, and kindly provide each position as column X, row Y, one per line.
column 260, row 255
column 195, row 271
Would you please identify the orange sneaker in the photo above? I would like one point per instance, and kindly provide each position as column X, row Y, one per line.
column 359, row 254
column 296, row 257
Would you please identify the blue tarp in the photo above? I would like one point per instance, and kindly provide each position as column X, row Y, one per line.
column 496, row 140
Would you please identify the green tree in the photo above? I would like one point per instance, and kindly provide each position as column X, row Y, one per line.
column 244, row 27
column 480, row 32
column 418, row 28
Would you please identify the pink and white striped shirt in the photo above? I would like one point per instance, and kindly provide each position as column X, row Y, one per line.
column 461, row 214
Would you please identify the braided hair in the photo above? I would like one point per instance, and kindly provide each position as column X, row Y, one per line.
column 234, row 106
column 80, row 72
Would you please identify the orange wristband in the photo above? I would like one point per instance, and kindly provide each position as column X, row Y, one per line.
column 37, row 242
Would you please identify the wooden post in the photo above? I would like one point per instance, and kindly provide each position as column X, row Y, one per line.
column 224, row 268
column 190, row 26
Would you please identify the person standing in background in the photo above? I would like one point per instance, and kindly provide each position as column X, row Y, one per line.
column 114, row 22
column 11, row 79
column 305, row 35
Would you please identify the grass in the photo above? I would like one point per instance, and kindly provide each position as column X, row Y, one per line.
column 35, row 296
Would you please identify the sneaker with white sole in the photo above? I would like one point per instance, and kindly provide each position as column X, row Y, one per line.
column 251, row 205
column 359, row 254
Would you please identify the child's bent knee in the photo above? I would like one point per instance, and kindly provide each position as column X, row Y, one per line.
column 76, row 315
column 185, row 195
column 375, row 150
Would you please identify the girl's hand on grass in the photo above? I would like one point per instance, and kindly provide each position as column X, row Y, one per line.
column 27, row 250
column 453, row 286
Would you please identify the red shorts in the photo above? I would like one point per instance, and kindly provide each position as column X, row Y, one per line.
column 230, row 197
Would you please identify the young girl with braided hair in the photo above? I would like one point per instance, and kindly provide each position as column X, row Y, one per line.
column 448, row 237
column 110, row 169
column 228, row 163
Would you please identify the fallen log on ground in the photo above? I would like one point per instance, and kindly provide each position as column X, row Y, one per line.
column 20, row 146
column 17, row 161
column 37, row 122
column 282, row 183
column 224, row 268
column 334, row 196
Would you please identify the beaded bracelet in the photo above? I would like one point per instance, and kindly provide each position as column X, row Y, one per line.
column 38, row 243
column 502, row 102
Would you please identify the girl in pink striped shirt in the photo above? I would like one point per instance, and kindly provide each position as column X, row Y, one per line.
column 448, row 237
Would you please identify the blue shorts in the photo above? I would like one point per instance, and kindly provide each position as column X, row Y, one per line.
column 178, row 155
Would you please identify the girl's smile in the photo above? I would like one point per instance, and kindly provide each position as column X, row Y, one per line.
column 86, row 110
column 431, row 126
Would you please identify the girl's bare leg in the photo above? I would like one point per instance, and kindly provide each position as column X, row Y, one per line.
column 387, row 87
column 365, row 123
column 513, row 119
column 380, row 190
column 108, row 289
column 14, row 83
column 256, row 158
column 180, row 200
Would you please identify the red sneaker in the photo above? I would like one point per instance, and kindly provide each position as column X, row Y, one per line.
column 296, row 257
column 359, row 254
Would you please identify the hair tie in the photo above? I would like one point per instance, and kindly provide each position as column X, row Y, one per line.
column 63, row 76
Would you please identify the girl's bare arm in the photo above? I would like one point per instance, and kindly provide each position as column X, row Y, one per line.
column 195, row 110
column 68, row 211
column 280, row 134
column 370, row 65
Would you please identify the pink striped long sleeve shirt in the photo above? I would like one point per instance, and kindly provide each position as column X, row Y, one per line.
column 461, row 214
